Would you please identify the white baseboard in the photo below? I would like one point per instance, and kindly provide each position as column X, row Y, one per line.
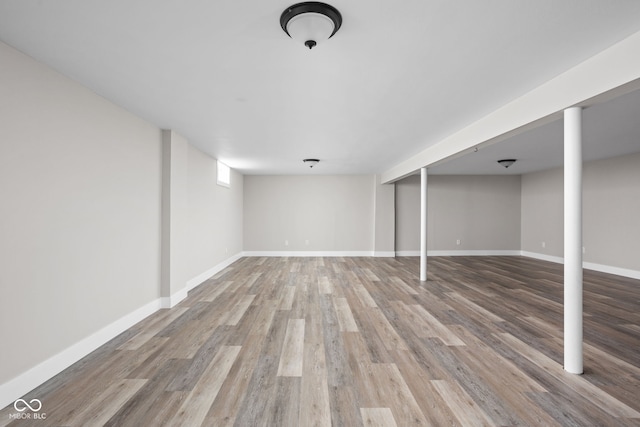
column 474, row 253
column 543, row 257
column 618, row 271
column 308, row 253
column 379, row 253
column 633, row 274
column 462, row 253
column 173, row 300
column 27, row 381
column 384, row 254
column 409, row 253
column 201, row 278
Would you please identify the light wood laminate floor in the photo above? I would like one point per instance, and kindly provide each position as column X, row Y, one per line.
column 360, row 341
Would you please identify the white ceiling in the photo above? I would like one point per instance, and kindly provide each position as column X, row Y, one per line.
column 397, row 77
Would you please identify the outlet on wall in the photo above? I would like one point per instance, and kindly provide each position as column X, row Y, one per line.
column 306, row 242
column 458, row 242
column 544, row 244
column 286, row 243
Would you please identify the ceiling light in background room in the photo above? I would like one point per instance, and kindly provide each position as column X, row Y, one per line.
column 311, row 162
column 311, row 22
column 507, row 162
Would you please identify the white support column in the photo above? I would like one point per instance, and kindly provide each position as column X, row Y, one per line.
column 573, row 240
column 423, row 224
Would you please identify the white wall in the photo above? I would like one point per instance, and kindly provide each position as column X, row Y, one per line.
column 214, row 215
column 331, row 213
column 408, row 214
column 81, row 209
column 612, row 211
column 611, row 207
column 80, row 189
column 483, row 212
column 542, row 213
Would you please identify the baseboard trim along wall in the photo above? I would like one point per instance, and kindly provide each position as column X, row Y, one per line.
column 173, row 300
column 462, row 253
column 201, row 278
column 543, row 257
column 384, row 254
column 27, row 381
column 632, row 274
column 618, row 271
column 308, row 253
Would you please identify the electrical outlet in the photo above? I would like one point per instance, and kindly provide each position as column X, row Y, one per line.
column 306, row 242
column 286, row 243
column 544, row 244
column 458, row 242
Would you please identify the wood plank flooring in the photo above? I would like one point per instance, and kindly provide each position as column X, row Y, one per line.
column 361, row 342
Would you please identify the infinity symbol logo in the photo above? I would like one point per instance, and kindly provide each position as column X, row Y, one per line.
column 37, row 405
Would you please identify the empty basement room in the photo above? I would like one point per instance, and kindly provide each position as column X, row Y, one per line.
column 349, row 214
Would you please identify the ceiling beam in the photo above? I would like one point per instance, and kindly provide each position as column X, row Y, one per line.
column 610, row 73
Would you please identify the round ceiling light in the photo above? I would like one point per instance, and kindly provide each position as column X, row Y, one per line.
column 311, row 22
column 507, row 162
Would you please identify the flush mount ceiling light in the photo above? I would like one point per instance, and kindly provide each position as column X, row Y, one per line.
column 311, row 22
column 311, row 162
column 507, row 162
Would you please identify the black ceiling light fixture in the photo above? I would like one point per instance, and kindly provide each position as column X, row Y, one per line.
column 310, row 22
column 311, row 162
column 507, row 162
